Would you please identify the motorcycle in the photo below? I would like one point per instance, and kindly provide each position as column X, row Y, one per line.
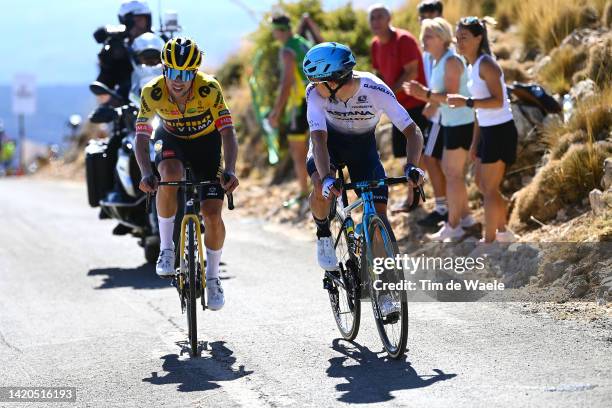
column 103, row 178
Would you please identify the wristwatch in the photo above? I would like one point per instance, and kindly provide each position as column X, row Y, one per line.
column 469, row 103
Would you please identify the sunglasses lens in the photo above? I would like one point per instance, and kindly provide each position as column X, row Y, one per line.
column 179, row 74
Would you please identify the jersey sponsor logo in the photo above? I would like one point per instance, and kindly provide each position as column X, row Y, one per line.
column 313, row 124
column 204, row 91
column 144, row 128
column 144, row 108
column 168, row 153
column 223, row 122
column 192, row 110
column 362, row 98
column 141, row 120
column 156, row 93
column 190, row 126
column 350, row 113
column 378, row 88
column 218, row 100
column 224, row 112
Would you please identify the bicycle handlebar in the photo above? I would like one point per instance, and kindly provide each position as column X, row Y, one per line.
column 418, row 192
column 183, row 183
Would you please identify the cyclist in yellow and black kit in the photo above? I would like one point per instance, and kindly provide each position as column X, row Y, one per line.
column 195, row 123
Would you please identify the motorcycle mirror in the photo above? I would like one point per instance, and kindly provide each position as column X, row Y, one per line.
column 98, row 88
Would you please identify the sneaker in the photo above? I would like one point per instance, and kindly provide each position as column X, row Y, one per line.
column 447, row 234
column 433, row 219
column 326, row 254
column 387, row 305
column 506, row 236
column 165, row 263
column 214, row 294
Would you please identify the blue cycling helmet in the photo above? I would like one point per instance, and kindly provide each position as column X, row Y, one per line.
column 328, row 61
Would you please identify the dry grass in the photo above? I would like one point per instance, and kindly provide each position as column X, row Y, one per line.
column 561, row 183
column 607, row 14
column 592, row 119
column 564, row 62
column 599, row 66
column 543, row 24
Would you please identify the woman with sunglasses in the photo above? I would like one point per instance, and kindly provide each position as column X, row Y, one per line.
column 195, row 123
column 495, row 137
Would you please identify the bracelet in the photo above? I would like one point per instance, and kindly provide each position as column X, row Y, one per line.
column 469, row 103
column 428, row 94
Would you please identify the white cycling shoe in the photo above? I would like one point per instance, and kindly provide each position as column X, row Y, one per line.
column 165, row 263
column 214, row 294
column 326, row 254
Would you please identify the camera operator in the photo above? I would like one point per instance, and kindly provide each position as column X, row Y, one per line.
column 115, row 58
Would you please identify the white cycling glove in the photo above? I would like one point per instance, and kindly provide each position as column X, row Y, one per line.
column 410, row 167
column 328, row 183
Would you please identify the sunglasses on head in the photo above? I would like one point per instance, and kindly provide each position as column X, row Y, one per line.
column 471, row 20
column 179, row 74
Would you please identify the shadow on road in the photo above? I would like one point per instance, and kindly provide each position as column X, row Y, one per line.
column 374, row 377
column 143, row 277
column 198, row 374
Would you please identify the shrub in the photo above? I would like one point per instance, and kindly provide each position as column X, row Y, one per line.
column 599, row 66
column 557, row 74
column 592, row 119
column 562, row 182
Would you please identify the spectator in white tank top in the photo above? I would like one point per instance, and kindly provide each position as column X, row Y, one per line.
column 494, row 143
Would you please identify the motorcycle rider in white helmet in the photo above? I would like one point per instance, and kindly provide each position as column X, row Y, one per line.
column 146, row 62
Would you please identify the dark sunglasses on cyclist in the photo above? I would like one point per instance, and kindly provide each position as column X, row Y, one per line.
column 179, row 74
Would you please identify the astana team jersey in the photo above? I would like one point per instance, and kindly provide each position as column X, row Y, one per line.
column 361, row 113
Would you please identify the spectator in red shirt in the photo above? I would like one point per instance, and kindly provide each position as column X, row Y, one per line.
column 396, row 58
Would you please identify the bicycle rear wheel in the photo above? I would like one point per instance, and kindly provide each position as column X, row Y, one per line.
column 390, row 306
column 344, row 298
column 192, row 323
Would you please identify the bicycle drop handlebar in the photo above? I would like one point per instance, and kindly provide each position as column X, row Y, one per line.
column 183, row 183
column 418, row 192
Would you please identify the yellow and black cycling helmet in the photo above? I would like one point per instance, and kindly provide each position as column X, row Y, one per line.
column 181, row 53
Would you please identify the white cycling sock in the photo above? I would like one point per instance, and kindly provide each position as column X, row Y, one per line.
column 467, row 221
column 213, row 258
column 441, row 205
column 166, row 227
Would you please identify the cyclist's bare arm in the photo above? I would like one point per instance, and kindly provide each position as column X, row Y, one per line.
column 320, row 152
column 142, row 153
column 230, row 154
column 414, row 143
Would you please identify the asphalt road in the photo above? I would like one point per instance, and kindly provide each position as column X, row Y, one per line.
column 78, row 307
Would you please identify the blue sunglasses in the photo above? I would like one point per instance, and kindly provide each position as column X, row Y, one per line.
column 180, row 74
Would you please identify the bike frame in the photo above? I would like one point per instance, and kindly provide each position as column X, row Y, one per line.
column 191, row 216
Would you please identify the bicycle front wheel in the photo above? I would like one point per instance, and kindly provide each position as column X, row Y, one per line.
column 344, row 294
column 192, row 323
column 389, row 305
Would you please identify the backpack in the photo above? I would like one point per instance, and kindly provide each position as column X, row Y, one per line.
column 535, row 95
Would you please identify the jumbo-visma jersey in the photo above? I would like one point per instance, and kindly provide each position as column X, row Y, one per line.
column 205, row 110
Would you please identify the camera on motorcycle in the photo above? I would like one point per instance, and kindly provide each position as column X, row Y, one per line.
column 110, row 32
column 171, row 21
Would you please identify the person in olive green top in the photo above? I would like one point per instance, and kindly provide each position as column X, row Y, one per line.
column 291, row 98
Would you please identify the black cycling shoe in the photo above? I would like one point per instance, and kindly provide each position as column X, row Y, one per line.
column 433, row 219
column 121, row 229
